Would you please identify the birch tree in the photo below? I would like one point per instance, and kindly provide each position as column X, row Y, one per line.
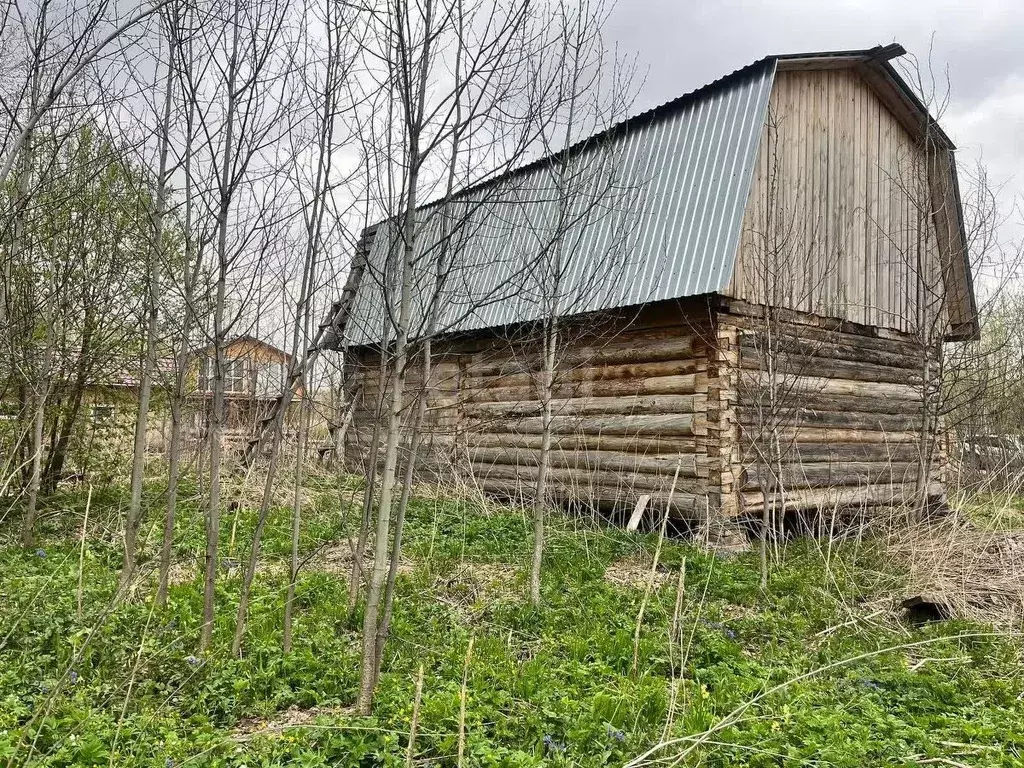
column 323, row 95
column 156, row 258
column 60, row 49
column 181, row 24
column 579, row 188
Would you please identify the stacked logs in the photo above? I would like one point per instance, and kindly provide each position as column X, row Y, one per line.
column 828, row 412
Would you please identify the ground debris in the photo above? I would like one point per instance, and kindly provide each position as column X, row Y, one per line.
column 471, row 583
column 635, row 570
column 249, row 728
column 337, row 558
column 958, row 570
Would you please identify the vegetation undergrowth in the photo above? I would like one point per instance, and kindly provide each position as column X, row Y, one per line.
column 121, row 684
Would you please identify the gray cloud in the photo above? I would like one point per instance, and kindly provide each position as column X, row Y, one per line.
column 682, row 45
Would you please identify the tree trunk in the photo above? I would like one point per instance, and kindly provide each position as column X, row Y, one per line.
column 216, row 436
column 194, row 261
column 382, row 532
column 343, row 419
column 19, row 207
column 60, row 445
column 173, row 473
column 219, row 338
column 155, row 250
column 924, row 441
column 544, row 457
column 61, row 442
column 36, row 446
column 300, row 452
column 396, row 549
column 356, row 577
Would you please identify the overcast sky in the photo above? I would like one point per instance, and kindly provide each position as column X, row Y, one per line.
column 683, row 44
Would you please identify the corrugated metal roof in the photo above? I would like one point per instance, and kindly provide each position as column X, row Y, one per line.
column 649, row 210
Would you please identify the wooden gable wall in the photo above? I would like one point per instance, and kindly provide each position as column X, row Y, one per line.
column 840, row 214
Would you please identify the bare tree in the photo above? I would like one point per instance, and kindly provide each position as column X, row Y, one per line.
column 181, row 23
column 781, row 248
column 324, row 98
column 943, row 258
column 21, row 152
column 496, row 57
column 561, row 277
column 417, row 124
column 242, row 97
column 60, row 49
column 155, row 261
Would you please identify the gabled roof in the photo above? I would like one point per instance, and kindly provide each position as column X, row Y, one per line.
column 252, row 341
column 653, row 204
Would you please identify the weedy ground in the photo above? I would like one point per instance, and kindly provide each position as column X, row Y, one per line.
column 819, row 669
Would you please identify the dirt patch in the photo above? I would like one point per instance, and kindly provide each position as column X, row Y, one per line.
column 182, row 572
column 636, row 571
column 469, row 587
column 337, row 558
column 482, row 577
column 253, row 727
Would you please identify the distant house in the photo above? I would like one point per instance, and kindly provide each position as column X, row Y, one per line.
column 255, row 373
column 797, row 233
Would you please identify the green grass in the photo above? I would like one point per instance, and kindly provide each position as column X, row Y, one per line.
column 551, row 686
column 996, row 511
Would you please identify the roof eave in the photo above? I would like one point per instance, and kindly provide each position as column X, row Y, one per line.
column 883, row 77
column 971, row 330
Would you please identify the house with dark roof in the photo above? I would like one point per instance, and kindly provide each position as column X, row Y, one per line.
column 753, row 283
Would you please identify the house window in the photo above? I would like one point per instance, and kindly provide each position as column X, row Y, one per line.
column 234, row 376
column 269, row 379
column 102, row 413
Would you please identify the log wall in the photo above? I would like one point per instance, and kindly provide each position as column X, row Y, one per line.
column 631, row 405
column 822, row 411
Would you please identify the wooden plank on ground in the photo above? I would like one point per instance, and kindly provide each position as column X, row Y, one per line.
column 638, row 512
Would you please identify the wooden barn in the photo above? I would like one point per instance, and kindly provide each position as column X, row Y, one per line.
column 751, row 312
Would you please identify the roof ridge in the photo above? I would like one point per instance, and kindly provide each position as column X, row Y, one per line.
column 880, row 53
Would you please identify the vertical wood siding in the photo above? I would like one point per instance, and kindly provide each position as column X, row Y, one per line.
column 839, row 220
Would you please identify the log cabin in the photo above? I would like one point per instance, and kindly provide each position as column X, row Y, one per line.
column 745, row 294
